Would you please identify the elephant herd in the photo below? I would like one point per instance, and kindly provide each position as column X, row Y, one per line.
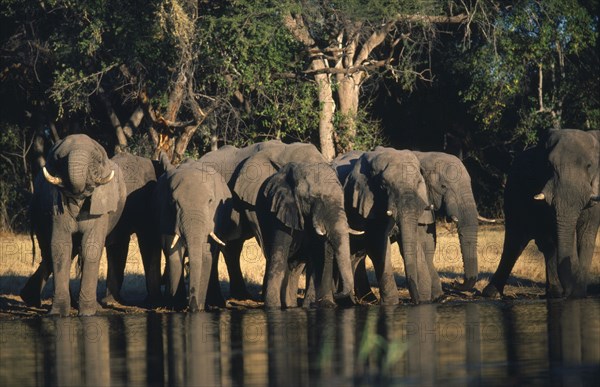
column 308, row 215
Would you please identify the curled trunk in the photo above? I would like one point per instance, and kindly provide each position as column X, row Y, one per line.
column 78, row 170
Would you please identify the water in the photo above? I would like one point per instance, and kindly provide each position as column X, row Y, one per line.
column 495, row 343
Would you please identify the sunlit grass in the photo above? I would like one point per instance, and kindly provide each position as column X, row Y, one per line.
column 16, row 263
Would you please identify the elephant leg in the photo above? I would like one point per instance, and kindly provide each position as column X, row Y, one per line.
column 548, row 247
column 291, row 285
column 310, row 295
column 515, row 241
column 151, row 256
column 587, row 230
column 380, row 254
column 232, row 254
column 116, row 256
column 31, row 292
column 427, row 243
column 92, row 245
column 362, row 288
column 277, row 256
column 61, row 248
column 322, row 264
column 215, row 296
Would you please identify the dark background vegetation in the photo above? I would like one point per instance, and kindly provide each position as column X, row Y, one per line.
column 479, row 79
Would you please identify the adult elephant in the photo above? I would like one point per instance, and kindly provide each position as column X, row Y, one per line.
column 227, row 161
column 449, row 187
column 196, row 216
column 386, row 196
column 78, row 199
column 293, row 202
column 550, row 197
column 139, row 175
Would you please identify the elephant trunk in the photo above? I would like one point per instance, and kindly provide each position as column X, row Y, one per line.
column 567, row 263
column 408, row 237
column 78, row 165
column 467, row 235
column 344, row 264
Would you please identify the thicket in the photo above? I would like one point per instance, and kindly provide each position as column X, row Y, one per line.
column 480, row 79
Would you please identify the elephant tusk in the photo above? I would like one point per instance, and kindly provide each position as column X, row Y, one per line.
column 487, row 220
column 216, row 238
column 175, row 240
column 388, row 213
column 355, row 232
column 454, row 218
column 540, row 196
column 107, row 179
column 319, row 231
column 430, row 207
column 51, row 179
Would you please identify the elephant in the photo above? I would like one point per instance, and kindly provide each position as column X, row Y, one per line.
column 262, row 187
column 139, row 175
column 78, row 198
column 227, row 161
column 294, row 204
column 195, row 216
column 449, row 188
column 385, row 195
column 551, row 197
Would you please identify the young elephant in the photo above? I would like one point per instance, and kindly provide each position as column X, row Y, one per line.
column 385, row 195
column 449, row 188
column 139, row 176
column 551, row 197
column 196, row 216
column 78, row 199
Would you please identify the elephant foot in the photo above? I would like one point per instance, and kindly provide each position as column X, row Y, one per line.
column 60, row 308
column 441, row 298
column 194, row 306
column 466, row 285
column 325, row 303
column 345, row 300
column 153, row 302
column 30, row 297
column 490, row 291
column 390, row 301
column 88, row 308
column 111, row 300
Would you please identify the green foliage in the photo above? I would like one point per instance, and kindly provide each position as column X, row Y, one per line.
column 558, row 37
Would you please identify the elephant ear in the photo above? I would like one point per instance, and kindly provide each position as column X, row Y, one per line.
column 357, row 188
column 252, row 176
column 279, row 192
column 105, row 198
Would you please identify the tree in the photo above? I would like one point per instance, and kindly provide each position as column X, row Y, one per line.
column 345, row 42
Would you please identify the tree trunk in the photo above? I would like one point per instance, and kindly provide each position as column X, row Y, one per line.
column 327, row 105
column 114, row 121
column 348, row 93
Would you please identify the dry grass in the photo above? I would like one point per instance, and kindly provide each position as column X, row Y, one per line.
column 528, row 275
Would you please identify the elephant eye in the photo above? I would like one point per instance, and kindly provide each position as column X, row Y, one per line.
column 444, row 186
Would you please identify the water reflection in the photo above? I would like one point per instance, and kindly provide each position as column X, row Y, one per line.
column 467, row 343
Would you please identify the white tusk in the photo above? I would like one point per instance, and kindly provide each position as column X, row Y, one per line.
column 106, row 179
column 355, row 232
column 430, row 207
column 482, row 219
column 540, row 196
column 454, row 218
column 51, row 179
column 319, row 231
column 388, row 213
column 175, row 240
column 216, row 238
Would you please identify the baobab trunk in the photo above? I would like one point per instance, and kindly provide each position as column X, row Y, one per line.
column 348, row 93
